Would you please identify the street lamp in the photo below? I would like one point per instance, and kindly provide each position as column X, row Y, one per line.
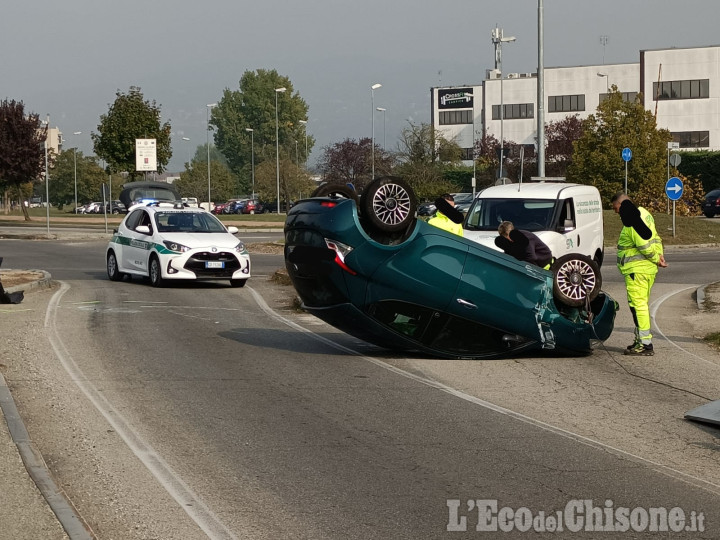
column 252, row 146
column 75, row 167
column 498, row 39
column 277, row 145
column 304, row 123
column 188, row 139
column 607, row 80
column 382, row 110
column 372, row 102
column 207, row 136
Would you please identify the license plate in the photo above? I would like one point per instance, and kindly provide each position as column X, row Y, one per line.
column 214, row 264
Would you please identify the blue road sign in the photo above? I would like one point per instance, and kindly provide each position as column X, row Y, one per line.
column 674, row 188
column 626, row 154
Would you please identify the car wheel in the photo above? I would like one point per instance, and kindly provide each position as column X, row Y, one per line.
column 709, row 215
column 116, row 211
column 335, row 191
column 576, row 280
column 388, row 204
column 238, row 282
column 112, row 267
column 156, row 279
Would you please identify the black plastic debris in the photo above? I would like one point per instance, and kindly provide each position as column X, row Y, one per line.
column 10, row 298
column 707, row 414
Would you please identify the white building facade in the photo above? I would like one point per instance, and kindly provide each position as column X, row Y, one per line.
column 680, row 86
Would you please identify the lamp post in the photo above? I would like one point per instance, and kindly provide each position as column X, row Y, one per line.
column 372, row 102
column 252, row 159
column 607, row 81
column 382, row 110
column 75, row 167
column 277, row 145
column 47, row 189
column 208, row 107
column 304, row 123
column 498, row 39
column 188, row 140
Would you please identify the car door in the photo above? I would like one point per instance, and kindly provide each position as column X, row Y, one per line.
column 136, row 251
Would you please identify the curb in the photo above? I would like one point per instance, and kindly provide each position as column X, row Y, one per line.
column 44, row 282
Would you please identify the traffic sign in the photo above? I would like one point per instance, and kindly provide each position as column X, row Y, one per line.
column 674, row 188
column 626, row 154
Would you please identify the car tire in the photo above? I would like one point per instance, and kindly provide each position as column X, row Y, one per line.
column 155, row 272
column 113, row 271
column 709, row 215
column 576, row 280
column 238, row 282
column 335, row 191
column 389, row 204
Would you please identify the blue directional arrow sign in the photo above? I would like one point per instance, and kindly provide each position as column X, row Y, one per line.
column 674, row 188
column 626, row 154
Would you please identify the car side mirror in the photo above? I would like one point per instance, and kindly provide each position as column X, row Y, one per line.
column 232, row 229
column 142, row 229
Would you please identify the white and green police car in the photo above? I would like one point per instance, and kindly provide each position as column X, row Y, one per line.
column 165, row 240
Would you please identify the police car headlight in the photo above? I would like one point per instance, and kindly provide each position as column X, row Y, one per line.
column 240, row 247
column 174, row 246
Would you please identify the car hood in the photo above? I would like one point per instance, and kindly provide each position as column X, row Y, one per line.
column 203, row 240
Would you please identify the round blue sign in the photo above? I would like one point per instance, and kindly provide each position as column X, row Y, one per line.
column 674, row 188
column 626, row 154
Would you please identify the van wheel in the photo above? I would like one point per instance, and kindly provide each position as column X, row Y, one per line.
column 576, row 280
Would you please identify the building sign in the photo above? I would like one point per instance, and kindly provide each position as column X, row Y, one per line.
column 455, row 98
column 145, row 155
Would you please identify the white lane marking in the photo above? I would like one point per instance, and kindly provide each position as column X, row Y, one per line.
column 168, row 478
column 653, row 310
column 688, row 478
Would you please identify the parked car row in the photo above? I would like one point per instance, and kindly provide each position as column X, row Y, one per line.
column 96, row 207
column 241, row 206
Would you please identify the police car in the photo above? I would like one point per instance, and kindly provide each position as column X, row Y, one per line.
column 168, row 240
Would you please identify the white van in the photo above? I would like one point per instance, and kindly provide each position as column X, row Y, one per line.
column 567, row 217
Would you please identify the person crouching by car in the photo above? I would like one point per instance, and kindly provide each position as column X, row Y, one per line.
column 447, row 217
column 523, row 245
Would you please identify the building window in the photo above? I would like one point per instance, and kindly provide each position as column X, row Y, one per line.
column 629, row 97
column 693, row 89
column 456, row 117
column 514, row 111
column 692, row 139
column 466, row 154
column 566, row 103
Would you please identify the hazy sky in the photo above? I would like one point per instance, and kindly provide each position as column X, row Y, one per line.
column 69, row 58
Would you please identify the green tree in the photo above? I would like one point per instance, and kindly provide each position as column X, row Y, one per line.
column 129, row 118
column 702, row 164
column 425, row 157
column 252, row 106
column 597, row 157
column 194, row 181
column 295, row 182
column 90, row 176
column 22, row 150
column 350, row 161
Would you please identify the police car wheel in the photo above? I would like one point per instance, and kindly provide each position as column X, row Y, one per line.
column 335, row 191
column 112, row 267
column 576, row 280
column 156, row 279
column 238, row 282
column 389, row 205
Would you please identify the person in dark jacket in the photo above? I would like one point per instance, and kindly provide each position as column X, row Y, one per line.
column 523, row 245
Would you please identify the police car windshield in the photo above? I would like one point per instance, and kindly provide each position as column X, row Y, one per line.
column 527, row 214
column 194, row 222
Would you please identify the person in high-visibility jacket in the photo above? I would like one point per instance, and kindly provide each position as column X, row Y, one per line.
column 639, row 255
column 447, row 217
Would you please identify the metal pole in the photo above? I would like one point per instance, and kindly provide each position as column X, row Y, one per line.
column 47, row 189
column 207, row 142
column 502, row 116
column 75, row 166
column 252, row 159
column 372, row 115
column 541, row 95
column 277, row 151
column 626, row 167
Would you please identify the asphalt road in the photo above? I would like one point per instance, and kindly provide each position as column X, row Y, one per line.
column 204, row 411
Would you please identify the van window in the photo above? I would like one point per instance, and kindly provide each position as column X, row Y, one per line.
column 527, row 214
column 566, row 219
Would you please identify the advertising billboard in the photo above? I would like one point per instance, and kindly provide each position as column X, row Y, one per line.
column 455, row 98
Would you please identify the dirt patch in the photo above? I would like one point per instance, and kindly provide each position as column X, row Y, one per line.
column 12, row 278
column 267, row 248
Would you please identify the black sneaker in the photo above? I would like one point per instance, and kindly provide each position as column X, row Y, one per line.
column 640, row 350
column 633, row 345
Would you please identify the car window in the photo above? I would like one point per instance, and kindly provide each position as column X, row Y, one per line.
column 133, row 218
column 196, row 222
column 145, row 220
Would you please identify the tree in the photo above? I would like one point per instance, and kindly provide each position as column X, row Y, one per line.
column 350, row 161
column 253, row 107
column 295, row 182
column 90, row 176
column 597, row 157
column 560, row 136
column 22, row 150
column 131, row 117
column 194, row 181
column 425, row 157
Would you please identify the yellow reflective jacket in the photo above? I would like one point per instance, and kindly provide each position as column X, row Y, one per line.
column 441, row 221
column 634, row 253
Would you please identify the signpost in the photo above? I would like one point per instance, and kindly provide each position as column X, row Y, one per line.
column 674, row 190
column 627, row 156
